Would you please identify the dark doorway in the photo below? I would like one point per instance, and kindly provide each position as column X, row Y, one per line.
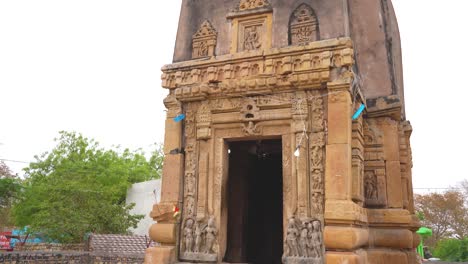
column 255, row 202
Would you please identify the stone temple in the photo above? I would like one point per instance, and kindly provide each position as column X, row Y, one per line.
column 262, row 154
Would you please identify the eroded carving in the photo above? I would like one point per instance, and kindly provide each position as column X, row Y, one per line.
column 303, row 26
column 199, row 240
column 252, row 4
column 252, row 38
column 370, row 185
column 204, row 41
column 304, row 243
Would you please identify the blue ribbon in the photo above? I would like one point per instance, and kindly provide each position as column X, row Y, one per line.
column 179, row 118
column 359, row 112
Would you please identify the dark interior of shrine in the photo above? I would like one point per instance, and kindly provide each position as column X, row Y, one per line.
column 255, row 202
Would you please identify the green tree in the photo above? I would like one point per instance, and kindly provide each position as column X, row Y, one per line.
column 446, row 214
column 452, row 250
column 10, row 187
column 80, row 187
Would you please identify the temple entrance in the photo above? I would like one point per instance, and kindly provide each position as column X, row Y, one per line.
column 255, row 202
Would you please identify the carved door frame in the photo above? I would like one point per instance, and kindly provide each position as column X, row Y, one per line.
column 221, row 171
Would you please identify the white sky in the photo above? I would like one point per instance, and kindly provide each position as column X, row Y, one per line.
column 93, row 66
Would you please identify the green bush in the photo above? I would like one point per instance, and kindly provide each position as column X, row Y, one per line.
column 452, row 250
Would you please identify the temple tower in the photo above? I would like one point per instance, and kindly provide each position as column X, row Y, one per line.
column 262, row 156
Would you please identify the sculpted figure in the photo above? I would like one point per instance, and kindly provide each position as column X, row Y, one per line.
column 316, row 239
column 317, row 156
column 317, row 202
column 370, row 186
column 251, row 39
column 198, row 238
column 203, row 49
column 303, row 240
column 188, row 235
column 210, row 236
column 317, row 180
column 291, row 238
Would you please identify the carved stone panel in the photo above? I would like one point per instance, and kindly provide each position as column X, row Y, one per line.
column 304, row 242
column 317, row 154
column 252, row 34
column 199, row 240
column 204, row 41
column 204, row 121
column 303, row 26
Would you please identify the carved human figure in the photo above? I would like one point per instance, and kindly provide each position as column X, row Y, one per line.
column 210, row 236
column 203, row 49
column 317, row 202
column 317, row 180
column 303, row 240
column 251, row 39
column 370, row 185
column 317, row 156
column 291, row 238
column 251, row 128
column 198, row 238
column 190, row 206
column 316, row 239
column 188, row 235
column 310, row 230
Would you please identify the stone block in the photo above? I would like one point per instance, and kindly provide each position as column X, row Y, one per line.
column 390, row 238
column 389, row 217
column 160, row 255
column 344, row 258
column 344, row 212
column 339, row 122
column 391, row 140
column 382, row 256
column 338, row 172
column 173, row 136
column 163, row 233
column 345, row 238
column 394, row 191
column 172, row 174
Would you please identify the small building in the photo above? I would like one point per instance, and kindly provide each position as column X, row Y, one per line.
column 143, row 195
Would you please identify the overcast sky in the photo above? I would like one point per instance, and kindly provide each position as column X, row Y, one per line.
column 93, row 66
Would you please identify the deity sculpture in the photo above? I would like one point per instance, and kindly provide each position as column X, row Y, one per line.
column 188, row 235
column 251, row 39
column 291, row 238
column 211, row 233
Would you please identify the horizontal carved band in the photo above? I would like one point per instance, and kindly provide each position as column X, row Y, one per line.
column 305, row 67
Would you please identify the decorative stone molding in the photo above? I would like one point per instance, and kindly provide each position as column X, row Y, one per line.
column 204, row 41
column 286, row 69
column 303, row 26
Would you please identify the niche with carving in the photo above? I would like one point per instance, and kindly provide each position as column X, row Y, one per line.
column 204, row 41
column 303, row 26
